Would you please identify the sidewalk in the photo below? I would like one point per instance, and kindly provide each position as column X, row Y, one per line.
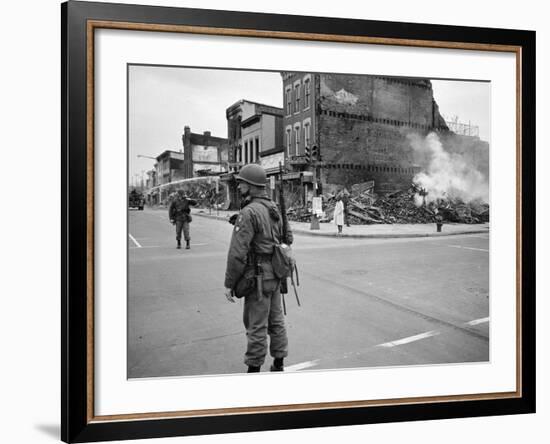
column 376, row 231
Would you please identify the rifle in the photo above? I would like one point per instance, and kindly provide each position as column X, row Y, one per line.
column 284, row 284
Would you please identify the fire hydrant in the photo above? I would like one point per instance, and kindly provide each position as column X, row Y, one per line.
column 314, row 222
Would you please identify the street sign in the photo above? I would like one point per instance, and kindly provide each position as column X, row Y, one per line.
column 317, row 205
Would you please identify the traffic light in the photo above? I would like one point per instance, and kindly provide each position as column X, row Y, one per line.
column 315, row 154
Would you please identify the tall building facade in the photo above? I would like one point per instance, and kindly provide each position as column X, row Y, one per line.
column 356, row 127
column 255, row 135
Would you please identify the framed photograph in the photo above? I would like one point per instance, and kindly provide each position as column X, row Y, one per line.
column 275, row 222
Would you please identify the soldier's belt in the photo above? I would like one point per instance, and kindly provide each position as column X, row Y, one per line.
column 263, row 257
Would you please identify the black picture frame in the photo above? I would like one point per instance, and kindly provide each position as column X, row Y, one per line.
column 78, row 423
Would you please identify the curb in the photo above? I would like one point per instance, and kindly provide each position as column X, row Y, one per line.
column 388, row 236
column 364, row 236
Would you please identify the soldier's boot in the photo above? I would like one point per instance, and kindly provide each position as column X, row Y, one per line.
column 187, row 246
column 179, row 244
column 253, row 369
column 277, row 365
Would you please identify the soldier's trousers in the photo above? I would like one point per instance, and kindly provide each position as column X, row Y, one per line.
column 262, row 318
column 180, row 224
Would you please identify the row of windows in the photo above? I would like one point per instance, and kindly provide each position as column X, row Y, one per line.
column 403, row 82
column 372, row 168
column 294, row 93
column 249, row 152
column 369, row 118
column 294, row 137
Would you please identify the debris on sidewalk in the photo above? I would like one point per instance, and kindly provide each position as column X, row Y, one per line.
column 408, row 206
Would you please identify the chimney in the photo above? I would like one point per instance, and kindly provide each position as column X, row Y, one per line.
column 207, row 133
column 186, row 137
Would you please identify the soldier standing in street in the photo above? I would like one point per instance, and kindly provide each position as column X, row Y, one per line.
column 179, row 214
column 257, row 228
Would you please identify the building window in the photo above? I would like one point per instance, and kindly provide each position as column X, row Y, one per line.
column 306, row 134
column 307, row 93
column 297, row 140
column 257, row 149
column 246, row 152
column 297, row 97
column 288, row 140
column 289, row 101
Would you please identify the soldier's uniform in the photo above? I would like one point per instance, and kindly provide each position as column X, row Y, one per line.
column 257, row 224
column 179, row 212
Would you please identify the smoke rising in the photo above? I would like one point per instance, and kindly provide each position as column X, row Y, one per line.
column 447, row 175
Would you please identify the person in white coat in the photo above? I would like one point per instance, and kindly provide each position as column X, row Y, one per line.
column 339, row 213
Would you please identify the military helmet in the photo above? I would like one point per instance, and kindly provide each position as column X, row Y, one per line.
column 253, row 174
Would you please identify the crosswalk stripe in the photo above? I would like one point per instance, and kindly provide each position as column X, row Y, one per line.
column 478, row 321
column 134, row 240
column 409, row 339
column 301, row 366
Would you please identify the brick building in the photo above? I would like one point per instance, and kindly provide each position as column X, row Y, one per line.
column 358, row 124
column 255, row 135
column 169, row 167
column 203, row 154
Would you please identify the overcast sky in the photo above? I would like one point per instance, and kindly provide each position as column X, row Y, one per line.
column 165, row 100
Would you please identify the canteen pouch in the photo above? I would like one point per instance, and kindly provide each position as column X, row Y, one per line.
column 282, row 261
column 246, row 285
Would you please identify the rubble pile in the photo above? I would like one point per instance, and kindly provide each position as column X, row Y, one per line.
column 401, row 207
column 203, row 191
column 295, row 210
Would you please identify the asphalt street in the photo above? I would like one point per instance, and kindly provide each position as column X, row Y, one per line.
column 364, row 302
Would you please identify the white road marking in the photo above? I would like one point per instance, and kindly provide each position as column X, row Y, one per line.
column 162, row 246
column 467, row 248
column 478, row 321
column 409, row 339
column 301, row 366
column 134, row 240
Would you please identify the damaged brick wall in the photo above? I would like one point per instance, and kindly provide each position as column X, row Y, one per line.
column 363, row 122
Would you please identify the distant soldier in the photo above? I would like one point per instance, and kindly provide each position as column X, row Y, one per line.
column 257, row 227
column 179, row 214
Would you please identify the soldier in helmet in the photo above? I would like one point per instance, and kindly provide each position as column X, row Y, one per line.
column 179, row 214
column 256, row 229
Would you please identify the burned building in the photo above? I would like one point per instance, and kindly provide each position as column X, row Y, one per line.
column 169, row 167
column 341, row 130
column 203, row 154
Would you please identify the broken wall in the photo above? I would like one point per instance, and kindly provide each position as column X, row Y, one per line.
column 363, row 127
